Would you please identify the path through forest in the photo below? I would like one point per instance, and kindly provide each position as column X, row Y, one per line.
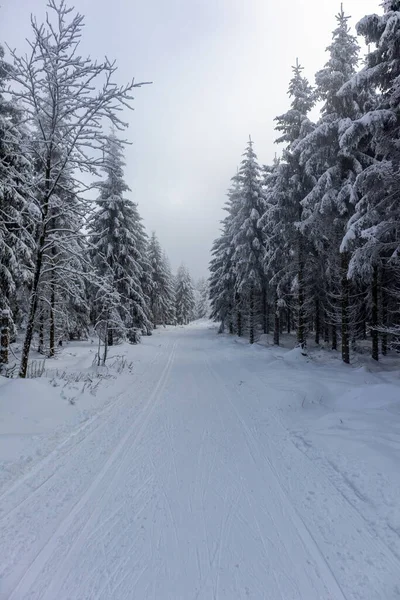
column 190, row 486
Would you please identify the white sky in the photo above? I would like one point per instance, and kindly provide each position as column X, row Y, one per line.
column 220, row 70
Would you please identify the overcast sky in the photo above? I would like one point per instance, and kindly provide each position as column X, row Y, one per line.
column 220, row 70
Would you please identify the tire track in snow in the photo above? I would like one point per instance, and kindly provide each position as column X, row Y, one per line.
column 59, row 452
column 114, row 462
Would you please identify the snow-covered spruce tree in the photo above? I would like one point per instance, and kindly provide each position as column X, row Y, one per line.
column 222, row 280
column 184, row 296
column 247, row 238
column 65, row 98
column 330, row 203
column 16, row 232
column 115, row 245
column 373, row 237
column 170, row 317
column 202, row 308
column 162, row 292
column 145, row 325
column 274, row 258
column 292, row 184
column 223, row 297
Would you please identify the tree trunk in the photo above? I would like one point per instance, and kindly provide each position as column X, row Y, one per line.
column 33, row 303
column 32, row 309
column 105, row 345
column 289, row 321
column 384, row 307
column 317, row 321
column 4, row 336
column 265, row 309
column 110, row 336
column 301, row 338
column 155, row 315
column 52, row 349
column 231, row 326
column 345, row 309
column 276, row 324
column 363, row 319
column 334, row 337
column 251, row 317
column 41, row 334
column 375, row 315
column 326, row 329
column 239, row 323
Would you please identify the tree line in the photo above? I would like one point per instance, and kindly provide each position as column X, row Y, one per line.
column 69, row 264
column 311, row 243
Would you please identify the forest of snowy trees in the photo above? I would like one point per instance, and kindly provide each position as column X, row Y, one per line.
column 68, row 264
column 311, row 243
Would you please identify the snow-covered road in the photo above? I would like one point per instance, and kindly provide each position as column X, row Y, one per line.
column 189, row 486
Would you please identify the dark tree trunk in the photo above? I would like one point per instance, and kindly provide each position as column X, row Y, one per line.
column 334, row 337
column 289, row 321
column 230, row 326
column 317, row 321
column 251, row 317
column 110, row 336
column 32, row 308
column 345, row 309
column 326, row 329
column 41, row 334
column 301, row 337
column 375, row 315
column 239, row 323
column 33, row 303
column 384, row 307
column 264, row 310
column 363, row 319
column 4, row 336
column 276, row 324
column 155, row 315
column 105, row 344
column 52, row 349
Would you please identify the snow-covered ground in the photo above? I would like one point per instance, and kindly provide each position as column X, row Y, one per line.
column 206, row 469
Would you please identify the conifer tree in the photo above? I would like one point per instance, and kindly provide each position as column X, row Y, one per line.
column 274, row 260
column 162, row 292
column 223, row 297
column 202, row 289
column 330, row 203
column 116, row 243
column 247, row 238
column 372, row 235
column 292, row 184
column 170, row 314
column 184, row 296
column 16, row 232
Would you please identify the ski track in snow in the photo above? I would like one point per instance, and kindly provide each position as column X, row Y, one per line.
column 188, row 486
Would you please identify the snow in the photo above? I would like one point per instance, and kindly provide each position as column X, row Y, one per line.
column 206, row 469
